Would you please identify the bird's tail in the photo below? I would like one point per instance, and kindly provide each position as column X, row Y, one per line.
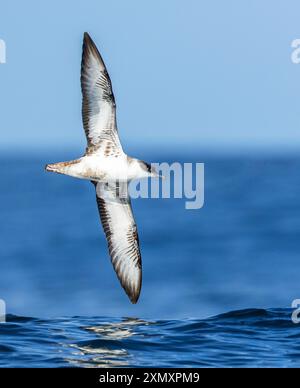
column 59, row 168
column 67, row 168
column 50, row 167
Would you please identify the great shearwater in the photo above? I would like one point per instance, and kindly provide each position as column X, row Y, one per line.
column 110, row 170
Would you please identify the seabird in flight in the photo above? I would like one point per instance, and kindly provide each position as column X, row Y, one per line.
column 110, row 170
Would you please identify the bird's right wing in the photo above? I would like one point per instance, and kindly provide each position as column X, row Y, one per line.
column 98, row 102
column 121, row 234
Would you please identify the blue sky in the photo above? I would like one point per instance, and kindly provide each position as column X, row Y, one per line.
column 203, row 74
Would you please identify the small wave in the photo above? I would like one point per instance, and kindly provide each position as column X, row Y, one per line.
column 245, row 338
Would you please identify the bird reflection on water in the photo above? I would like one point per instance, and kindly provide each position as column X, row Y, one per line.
column 105, row 350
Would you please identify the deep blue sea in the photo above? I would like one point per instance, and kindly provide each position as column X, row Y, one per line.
column 218, row 282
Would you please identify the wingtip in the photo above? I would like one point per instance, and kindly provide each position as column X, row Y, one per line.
column 88, row 41
column 134, row 298
column 89, row 47
column 134, row 294
column 86, row 36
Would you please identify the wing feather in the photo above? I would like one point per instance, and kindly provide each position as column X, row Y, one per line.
column 121, row 234
column 98, row 102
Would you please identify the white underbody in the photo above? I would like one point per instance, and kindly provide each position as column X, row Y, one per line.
column 101, row 168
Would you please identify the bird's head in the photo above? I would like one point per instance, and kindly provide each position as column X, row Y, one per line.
column 148, row 170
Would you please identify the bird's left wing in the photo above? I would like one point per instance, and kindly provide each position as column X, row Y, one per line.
column 121, row 234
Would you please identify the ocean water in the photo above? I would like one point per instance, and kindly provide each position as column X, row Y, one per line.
column 218, row 282
column 247, row 338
